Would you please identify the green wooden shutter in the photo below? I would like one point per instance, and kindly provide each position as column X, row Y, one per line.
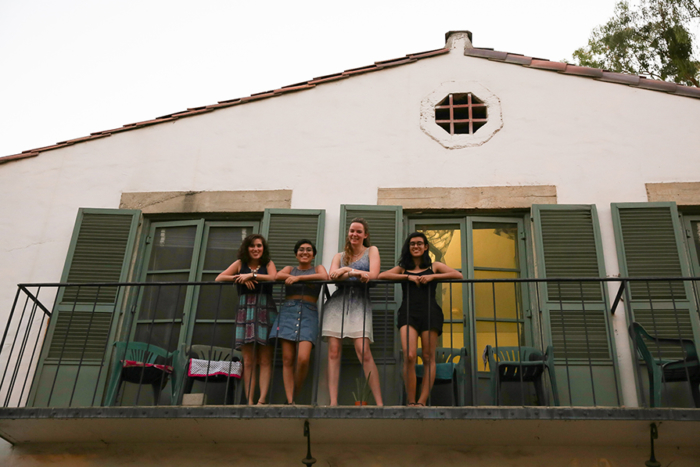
column 283, row 228
column 575, row 313
column 650, row 244
column 83, row 324
column 386, row 233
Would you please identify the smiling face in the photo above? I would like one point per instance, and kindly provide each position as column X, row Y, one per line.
column 255, row 249
column 356, row 234
column 305, row 254
column 417, row 247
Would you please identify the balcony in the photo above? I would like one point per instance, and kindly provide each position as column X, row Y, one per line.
column 529, row 361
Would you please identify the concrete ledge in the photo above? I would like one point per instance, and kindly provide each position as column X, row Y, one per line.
column 158, row 202
column 683, row 193
column 484, row 197
column 584, row 426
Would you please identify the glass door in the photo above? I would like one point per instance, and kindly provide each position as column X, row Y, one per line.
column 495, row 252
column 486, row 313
column 172, row 255
column 213, row 322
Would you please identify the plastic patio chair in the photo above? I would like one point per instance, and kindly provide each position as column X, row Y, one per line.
column 148, row 372
column 448, row 371
column 214, row 354
column 665, row 370
column 516, row 364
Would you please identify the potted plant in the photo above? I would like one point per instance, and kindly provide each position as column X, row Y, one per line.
column 363, row 390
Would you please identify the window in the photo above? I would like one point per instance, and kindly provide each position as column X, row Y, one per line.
column 461, row 114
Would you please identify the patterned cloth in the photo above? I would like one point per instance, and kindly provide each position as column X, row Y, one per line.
column 135, row 364
column 256, row 313
column 202, row 368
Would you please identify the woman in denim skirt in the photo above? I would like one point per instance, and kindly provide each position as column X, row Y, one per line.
column 297, row 323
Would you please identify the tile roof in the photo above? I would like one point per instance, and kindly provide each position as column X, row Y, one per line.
column 486, row 53
column 587, row 72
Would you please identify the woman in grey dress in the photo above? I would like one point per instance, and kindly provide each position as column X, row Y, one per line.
column 349, row 311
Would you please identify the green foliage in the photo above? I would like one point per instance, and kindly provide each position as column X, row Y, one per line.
column 651, row 39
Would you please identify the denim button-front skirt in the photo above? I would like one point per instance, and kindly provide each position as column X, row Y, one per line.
column 297, row 321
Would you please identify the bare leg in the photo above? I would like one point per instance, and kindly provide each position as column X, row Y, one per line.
column 265, row 362
column 335, row 350
column 364, row 354
column 303, row 357
column 409, row 344
column 288, row 356
column 429, row 343
column 249, row 364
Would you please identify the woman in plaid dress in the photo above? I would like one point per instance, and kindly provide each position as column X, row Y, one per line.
column 256, row 311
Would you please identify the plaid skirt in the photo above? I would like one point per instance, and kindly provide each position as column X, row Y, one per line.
column 256, row 313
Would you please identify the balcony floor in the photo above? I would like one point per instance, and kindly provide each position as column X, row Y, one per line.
column 526, row 426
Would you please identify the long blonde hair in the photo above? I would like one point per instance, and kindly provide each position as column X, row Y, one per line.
column 347, row 250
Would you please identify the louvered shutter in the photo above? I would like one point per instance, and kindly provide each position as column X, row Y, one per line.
column 385, row 227
column 649, row 244
column 283, row 228
column 83, row 320
column 575, row 313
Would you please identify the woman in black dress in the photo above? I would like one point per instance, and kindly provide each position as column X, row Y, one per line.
column 419, row 313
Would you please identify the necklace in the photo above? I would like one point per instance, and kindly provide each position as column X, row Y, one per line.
column 254, row 270
column 358, row 255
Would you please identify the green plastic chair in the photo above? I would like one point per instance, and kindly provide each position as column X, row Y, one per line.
column 144, row 353
column 448, row 371
column 664, row 370
column 214, row 354
column 516, row 364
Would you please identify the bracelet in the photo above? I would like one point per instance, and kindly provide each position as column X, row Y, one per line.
column 351, row 271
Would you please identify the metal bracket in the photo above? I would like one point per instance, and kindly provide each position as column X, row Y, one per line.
column 308, row 460
column 652, row 462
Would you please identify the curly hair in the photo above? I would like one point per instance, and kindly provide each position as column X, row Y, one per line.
column 244, row 255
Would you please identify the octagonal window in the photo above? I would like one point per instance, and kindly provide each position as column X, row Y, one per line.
column 462, row 113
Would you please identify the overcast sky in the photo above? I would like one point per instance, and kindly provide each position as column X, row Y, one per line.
column 73, row 67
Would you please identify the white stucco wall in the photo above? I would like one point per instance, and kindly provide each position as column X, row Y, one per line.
column 337, row 143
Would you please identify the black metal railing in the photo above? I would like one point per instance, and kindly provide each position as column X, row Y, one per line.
column 504, row 342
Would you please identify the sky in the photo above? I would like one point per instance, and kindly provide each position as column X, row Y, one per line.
column 72, row 67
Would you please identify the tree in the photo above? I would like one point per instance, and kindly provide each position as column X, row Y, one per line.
column 652, row 39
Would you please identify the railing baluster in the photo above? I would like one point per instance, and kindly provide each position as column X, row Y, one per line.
column 22, row 346
column 588, row 344
column 566, row 351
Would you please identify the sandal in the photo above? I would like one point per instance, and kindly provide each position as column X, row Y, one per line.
column 420, row 404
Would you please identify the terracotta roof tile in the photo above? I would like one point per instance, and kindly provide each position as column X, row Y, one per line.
column 486, row 53
column 16, row 157
column 328, row 78
column 620, row 78
column 429, row 53
column 295, row 88
column 547, row 65
column 656, row 85
column 518, row 59
column 688, row 91
column 583, row 71
column 489, row 54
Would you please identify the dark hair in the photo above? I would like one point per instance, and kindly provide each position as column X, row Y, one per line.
column 302, row 242
column 243, row 254
column 406, row 260
column 347, row 255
